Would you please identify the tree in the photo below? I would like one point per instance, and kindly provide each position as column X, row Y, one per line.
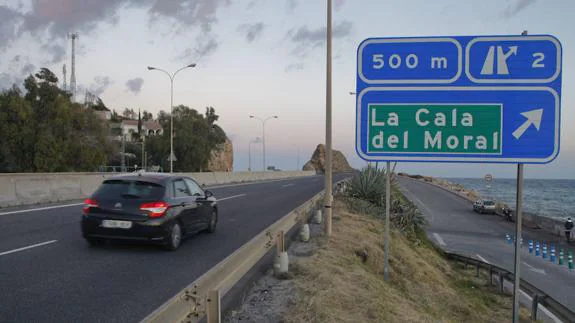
column 147, row 116
column 43, row 131
column 196, row 136
column 129, row 114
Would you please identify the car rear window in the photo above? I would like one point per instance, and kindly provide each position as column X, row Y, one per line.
column 128, row 189
column 489, row 203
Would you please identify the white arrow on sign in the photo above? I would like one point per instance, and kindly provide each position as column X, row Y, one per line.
column 533, row 118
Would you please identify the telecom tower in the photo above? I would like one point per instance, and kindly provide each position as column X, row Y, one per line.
column 64, row 85
column 73, row 36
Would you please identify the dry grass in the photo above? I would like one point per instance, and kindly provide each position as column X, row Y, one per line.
column 335, row 285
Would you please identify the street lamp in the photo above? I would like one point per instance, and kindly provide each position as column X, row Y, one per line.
column 171, row 76
column 264, row 135
column 256, row 140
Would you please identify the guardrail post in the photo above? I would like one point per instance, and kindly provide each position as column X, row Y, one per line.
column 490, row 276
column 280, row 242
column 214, row 309
column 281, row 263
column 534, row 307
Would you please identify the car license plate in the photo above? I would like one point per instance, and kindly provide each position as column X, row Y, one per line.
column 116, row 224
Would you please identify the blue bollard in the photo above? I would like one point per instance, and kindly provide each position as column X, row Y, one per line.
column 531, row 246
column 544, row 253
column 553, row 257
column 537, row 249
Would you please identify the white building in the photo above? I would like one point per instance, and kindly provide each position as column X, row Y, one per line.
column 129, row 129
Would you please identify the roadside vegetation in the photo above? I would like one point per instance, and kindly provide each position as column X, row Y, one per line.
column 44, row 130
column 343, row 280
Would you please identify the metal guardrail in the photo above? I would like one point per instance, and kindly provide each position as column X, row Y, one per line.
column 538, row 296
column 202, row 297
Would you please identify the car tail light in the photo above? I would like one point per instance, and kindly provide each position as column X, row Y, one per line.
column 88, row 203
column 155, row 209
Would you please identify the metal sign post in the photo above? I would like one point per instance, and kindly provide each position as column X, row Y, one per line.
column 517, row 266
column 387, row 221
column 518, row 235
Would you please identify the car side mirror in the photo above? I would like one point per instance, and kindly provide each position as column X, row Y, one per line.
column 209, row 193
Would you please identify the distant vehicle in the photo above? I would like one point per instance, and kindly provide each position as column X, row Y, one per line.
column 484, row 206
column 154, row 207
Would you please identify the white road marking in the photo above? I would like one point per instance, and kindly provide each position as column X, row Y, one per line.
column 286, row 185
column 231, row 197
column 28, row 247
column 482, row 259
column 41, row 208
column 537, row 270
column 439, row 239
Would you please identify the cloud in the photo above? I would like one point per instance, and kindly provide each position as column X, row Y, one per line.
column 252, row 31
column 308, row 39
column 189, row 12
column 292, row 5
column 135, row 85
column 7, row 80
column 60, row 17
column 9, row 19
column 517, row 7
column 294, row 67
column 100, row 85
column 57, row 51
column 206, row 46
column 50, row 21
column 28, row 69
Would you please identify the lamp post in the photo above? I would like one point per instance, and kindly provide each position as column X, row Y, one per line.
column 264, row 135
column 253, row 141
column 171, row 76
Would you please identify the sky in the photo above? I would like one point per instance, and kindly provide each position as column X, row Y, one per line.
column 263, row 58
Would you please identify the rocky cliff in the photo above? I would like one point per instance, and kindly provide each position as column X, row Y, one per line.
column 317, row 161
column 222, row 159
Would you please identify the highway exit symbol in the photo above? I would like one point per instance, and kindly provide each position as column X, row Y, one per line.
column 467, row 99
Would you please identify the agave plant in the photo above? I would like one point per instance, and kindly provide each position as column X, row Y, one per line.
column 368, row 185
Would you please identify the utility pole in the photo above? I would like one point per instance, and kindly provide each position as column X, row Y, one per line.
column 143, row 144
column 123, row 151
column 328, row 152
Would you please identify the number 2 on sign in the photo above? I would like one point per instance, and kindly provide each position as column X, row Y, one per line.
column 539, row 57
column 394, row 61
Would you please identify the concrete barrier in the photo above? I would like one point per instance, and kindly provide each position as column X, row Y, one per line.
column 29, row 189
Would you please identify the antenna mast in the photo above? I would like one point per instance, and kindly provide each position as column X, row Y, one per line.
column 73, row 36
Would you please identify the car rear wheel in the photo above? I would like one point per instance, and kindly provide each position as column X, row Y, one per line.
column 174, row 238
column 213, row 222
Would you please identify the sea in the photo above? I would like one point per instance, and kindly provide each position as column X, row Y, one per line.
column 546, row 197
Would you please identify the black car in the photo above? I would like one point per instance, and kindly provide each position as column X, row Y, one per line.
column 155, row 207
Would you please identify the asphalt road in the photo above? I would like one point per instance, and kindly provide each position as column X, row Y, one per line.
column 455, row 227
column 60, row 278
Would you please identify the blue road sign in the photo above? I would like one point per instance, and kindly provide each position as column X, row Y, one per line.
column 493, row 99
